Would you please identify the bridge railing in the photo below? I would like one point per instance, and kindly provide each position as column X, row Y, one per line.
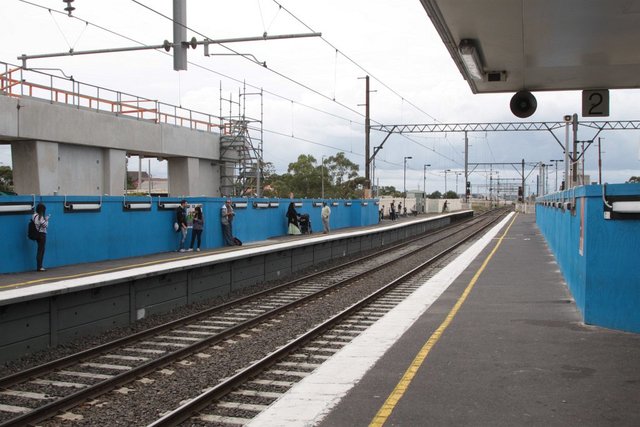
column 18, row 82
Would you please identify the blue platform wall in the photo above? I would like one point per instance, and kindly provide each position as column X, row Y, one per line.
column 602, row 272
column 113, row 232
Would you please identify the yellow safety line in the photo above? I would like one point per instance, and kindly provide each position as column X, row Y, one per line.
column 389, row 405
column 107, row 270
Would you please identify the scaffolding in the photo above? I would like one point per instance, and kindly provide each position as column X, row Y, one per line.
column 241, row 149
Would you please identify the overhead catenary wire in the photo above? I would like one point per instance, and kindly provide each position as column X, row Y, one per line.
column 306, row 87
column 202, row 67
column 356, row 64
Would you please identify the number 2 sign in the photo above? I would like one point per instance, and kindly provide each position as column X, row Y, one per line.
column 595, row 103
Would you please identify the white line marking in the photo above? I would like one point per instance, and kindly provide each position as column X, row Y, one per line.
column 311, row 399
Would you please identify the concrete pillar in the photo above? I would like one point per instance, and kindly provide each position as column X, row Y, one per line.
column 184, row 176
column 35, row 167
column 209, row 174
column 114, row 169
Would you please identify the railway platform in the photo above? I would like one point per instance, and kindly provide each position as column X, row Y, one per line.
column 40, row 310
column 494, row 340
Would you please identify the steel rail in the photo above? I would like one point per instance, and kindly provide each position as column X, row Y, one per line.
column 71, row 400
column 184, row 412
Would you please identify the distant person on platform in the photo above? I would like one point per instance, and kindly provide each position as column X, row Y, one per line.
column 392, row 211
column 226, row 219
column 324, row 215
column 198, row 226
column 181, row 219
column 42, row 223
column 444, row 207
column 292, row 220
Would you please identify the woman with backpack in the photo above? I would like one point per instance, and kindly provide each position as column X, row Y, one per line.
column 42, row 223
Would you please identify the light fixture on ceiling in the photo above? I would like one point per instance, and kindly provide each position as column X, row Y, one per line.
column 471, row 59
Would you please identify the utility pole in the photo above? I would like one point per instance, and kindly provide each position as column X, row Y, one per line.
column 599, row 162
column 574, row 161
column 180, row 35
column 367, row 131
column 523, row 192
column 466, row 166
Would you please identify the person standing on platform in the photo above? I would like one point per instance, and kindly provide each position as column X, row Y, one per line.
column 198, row 226
column 42, row 223
column 325, row 214
column 226, row 219
column 292, row 220
column 181, row 219
column 392, row 211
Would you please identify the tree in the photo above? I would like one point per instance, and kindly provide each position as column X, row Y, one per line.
column 634, row 179
column 389, row 191
column 6, row 179
column 435, row 195
column 450, row 195
column 341, row 169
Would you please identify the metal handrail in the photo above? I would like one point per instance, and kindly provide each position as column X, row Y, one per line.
column 118, row 103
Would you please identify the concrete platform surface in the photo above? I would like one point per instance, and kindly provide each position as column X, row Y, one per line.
column 502, row 345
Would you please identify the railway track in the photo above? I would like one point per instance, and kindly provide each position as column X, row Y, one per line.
column 42, row 392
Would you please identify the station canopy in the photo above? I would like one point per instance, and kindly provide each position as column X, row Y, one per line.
column 541, row 45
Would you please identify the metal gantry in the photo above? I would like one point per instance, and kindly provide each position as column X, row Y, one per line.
column 571, row 156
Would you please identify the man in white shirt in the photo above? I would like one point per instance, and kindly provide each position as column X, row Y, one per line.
column 326, row 212
column 226, row 219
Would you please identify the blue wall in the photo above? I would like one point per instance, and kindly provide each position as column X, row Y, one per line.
column 604, row 277
column 113, row 232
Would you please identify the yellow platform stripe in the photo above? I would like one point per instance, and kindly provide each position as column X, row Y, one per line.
column 389, row 405
column 106, row 270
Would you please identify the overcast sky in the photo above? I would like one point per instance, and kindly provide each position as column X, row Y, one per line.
column 312, row 91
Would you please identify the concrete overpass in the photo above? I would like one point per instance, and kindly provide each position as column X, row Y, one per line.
column 74, row 140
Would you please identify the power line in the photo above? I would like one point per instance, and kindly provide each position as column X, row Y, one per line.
column 298, row 83
column 304, row 86
column 252, row 86
column 356, row 64
column 276, row 95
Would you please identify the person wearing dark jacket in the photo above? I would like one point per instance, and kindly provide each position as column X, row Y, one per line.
column 181, row 219
column 292, row 220
column 42, row 223
column 198, row 226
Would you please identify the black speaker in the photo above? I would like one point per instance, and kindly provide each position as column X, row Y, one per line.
column 523, row 104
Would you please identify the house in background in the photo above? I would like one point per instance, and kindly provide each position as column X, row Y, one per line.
column 141, row 182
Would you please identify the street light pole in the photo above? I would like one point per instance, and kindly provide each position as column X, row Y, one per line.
column 457, row 175
column 556, row 162
column 322, row 176
column 424, row 188
column 445, row 180
column 373, row 170
column 405, row 181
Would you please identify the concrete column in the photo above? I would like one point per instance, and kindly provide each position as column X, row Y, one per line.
column 209, row 174
column 114, row 169
column 184, row 175
column 35, row 167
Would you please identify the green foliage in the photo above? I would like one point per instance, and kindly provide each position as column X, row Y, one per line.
column 306, row 178
column 389, row 191
column 634, row 179
column 6, row 179
column 450, row 195
column 435, row 195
